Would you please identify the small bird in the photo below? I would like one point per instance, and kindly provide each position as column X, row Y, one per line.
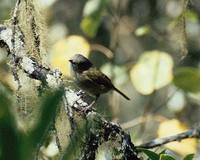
column 89, row 78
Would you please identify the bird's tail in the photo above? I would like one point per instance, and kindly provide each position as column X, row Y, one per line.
column 117, row 90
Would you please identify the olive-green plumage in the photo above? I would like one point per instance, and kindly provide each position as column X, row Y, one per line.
column 90, row 79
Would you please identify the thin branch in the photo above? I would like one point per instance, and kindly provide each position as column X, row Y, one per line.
column 163, row 104
column 141, row 119
column 184, row 50
column 193, row 133
column 106, row 51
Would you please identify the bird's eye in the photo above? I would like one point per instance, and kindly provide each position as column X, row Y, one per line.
column 71, row 61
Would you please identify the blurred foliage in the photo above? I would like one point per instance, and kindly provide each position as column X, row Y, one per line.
column 8, row 133
column 189, row 157
column 152, row 72
column 143, row 30
column 14, row 143
column 59, row 58
column 166, row 157
column 187, row 79
column 77, row 139
column 162, row 155
column 92, row 14
column 154, row 48
column 172, row 127
column 155, row 156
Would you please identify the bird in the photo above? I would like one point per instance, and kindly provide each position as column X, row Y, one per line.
column 89, row 79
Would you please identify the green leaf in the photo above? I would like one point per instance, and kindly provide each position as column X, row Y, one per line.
column 187, row 79
column 189, row 157
column 151, row 155
column 191, row 16
column 90, row 25
column 143, row 30
column 9, row 142
column 92, row 16
column 166, row 157
column 48, row 108
column 48, row 113
column 162, row 152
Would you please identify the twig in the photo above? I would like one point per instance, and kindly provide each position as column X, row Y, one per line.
column 141, row 119
column 97, row 47
column 147, row 109
column 184, row 50
column 193, row 133
column 157, row 108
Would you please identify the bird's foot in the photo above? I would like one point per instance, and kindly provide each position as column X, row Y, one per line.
column 80, row 93
column 89, row 108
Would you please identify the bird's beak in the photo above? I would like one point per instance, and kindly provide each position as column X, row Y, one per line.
column 70, row 60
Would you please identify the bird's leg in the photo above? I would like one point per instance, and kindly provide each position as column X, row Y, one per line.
column 80, row 93
column 94, row 101
column 90, row 106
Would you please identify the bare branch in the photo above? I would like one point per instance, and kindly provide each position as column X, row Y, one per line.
column 193, row 133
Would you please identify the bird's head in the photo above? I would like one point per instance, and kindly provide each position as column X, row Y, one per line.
column 80, row 63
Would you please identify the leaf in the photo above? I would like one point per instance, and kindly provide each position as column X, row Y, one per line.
column 189, row 157
column 187, row 79
column 9, row 143
column 152, row 72
column 48, row 113
column 177, row 101
column 143, row 30
column 162, row 152
column 166, row 157
column 191, row 16
column 90, row 25
column 92, row 16
column 48, row 108
column 152, row 155
column 91, row 7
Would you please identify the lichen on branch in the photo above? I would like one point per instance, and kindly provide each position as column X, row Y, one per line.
column 22, row 38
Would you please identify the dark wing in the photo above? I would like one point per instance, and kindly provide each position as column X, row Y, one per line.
column 98, row 77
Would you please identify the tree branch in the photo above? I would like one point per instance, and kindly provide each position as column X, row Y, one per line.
column 193, row 133
column 74, row 101
column 105, row 131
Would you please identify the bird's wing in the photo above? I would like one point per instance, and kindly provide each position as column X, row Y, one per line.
column 98, row 77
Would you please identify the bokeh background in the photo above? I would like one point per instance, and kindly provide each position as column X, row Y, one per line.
column 144, row 46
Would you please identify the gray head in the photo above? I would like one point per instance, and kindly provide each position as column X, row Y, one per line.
column 80, row 63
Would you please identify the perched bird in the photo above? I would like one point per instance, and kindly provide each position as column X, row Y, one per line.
column 89, row 78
